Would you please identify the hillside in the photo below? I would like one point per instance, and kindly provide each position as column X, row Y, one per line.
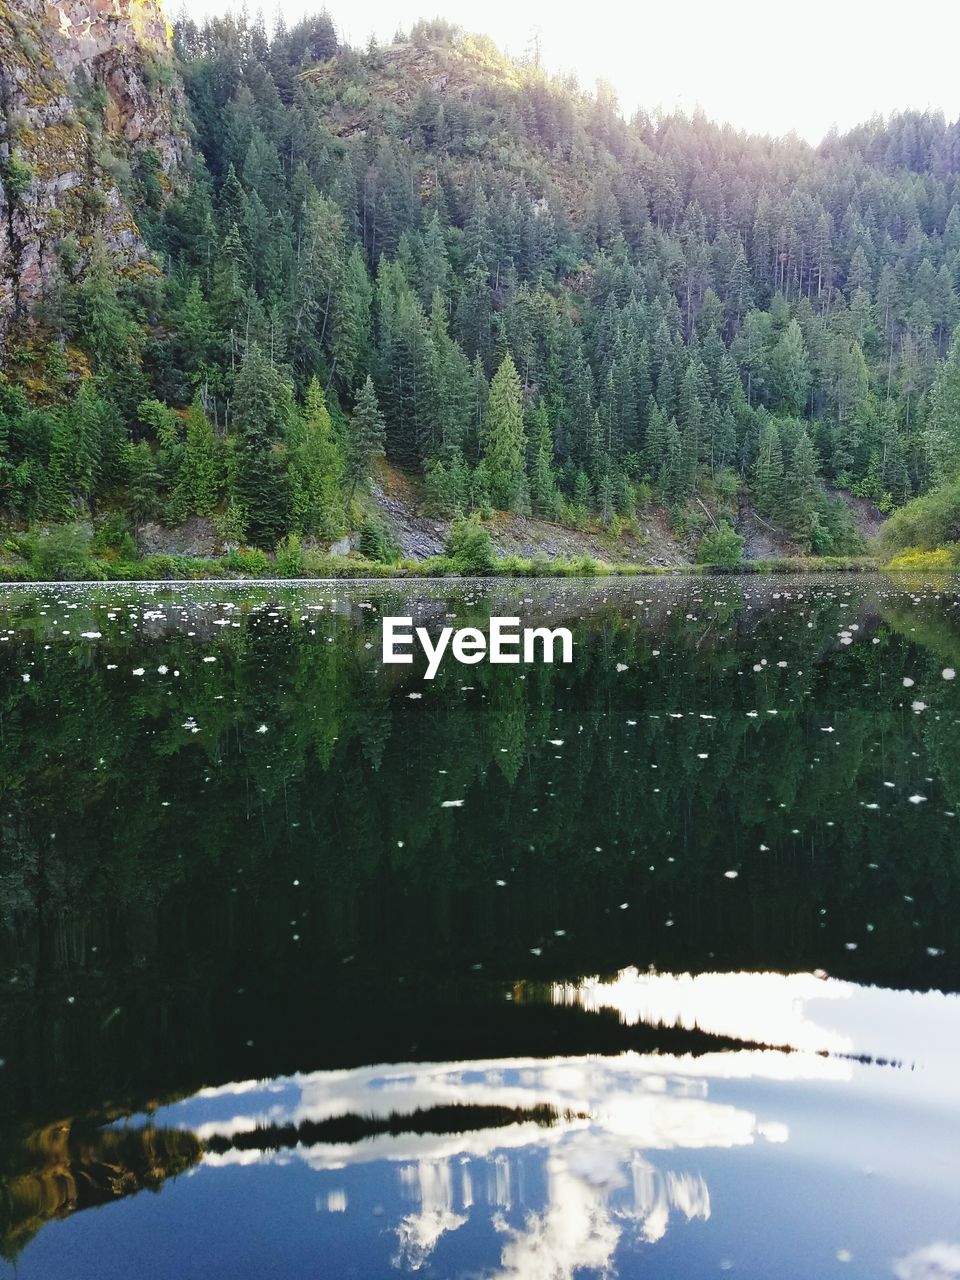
column 88, row 96
column 242, row 266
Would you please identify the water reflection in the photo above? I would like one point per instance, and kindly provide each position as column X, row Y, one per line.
column 569, row 1162
column 234, row 847
column 594, row 1180
column 802, row 1011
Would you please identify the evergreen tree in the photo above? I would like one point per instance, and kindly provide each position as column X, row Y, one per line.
column 669, row 309
column 544, row 495
column 80, row 443
column 201, row 476
column 365, row 436
column 789, row 373
column 801, row 490
column 504, row 438
column 941, row 435
column 352, row 332
column 316, row 469
column 261, row 408
column 767, row 478
column 143, row 481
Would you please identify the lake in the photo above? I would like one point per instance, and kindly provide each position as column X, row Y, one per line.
column 642, row 966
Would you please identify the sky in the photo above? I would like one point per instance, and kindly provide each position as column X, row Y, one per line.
column 760, row 66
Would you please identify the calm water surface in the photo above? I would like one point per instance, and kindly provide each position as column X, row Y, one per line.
column 645, row 966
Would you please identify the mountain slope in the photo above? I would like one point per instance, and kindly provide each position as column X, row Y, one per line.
column 86, row 87
column 429, row 250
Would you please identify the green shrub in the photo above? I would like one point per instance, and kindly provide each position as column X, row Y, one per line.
column 112, row 540
column 470, row 548
column 61, row 553
column 256, row 561
column 289, row 557
column 376, row 543
column 515, row 567
column 250, row 560
column 581, row 567
column 726, row 485
column 16, row 176
column 925, row 523
column 721, row 547
column 943, row 560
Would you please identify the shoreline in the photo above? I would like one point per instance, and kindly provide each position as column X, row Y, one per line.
column 186, row 569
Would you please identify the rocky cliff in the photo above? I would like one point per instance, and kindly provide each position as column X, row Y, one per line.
column 88, row 97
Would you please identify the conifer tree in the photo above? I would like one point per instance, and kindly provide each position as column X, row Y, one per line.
column 201, row 474
column 544, row 496
column 351, row 339
column 505, row 442
column 77, row 449
column 261, row 407
column 941, row 435
column 316, row 468
column 767, row 474
column 365, row 436
column 801, row 490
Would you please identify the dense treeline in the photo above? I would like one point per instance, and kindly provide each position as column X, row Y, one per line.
column 428, row 250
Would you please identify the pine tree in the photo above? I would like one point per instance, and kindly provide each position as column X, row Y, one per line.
column 654, row 456
column 434, row 262
column 544, row 495
column 690, row 417
column 365, row 436
column 800, row 492
column 78, row 446
column 113, row 340
column 352, row 330
column 767, row 476
column 261, row 407
column 316, row 469
column 319, row 271
column 196, row 334
column 941, row 435
column 201, row 476
column 505, row 442
column 789, row 373
column 143, row 481
column 582, row 491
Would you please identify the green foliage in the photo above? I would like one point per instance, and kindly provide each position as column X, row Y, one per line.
column 721, row 547
column 201, row 476
column 16, row 176
column 289, row 557
column 531, row 302
column 84, row 442
column 112, row 540
column 941, row 436
column 926, row 523
column 251, row 561
column 505, row 442
column 260, row 485
column 61, row 553
column 365, row 436
column 142, row 479
column 469, row 547
column 376, row 544
column 916, row 560
column 316, row 469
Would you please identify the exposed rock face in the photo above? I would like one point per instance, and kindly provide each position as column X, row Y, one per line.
column 194, row 537
column 82, row 83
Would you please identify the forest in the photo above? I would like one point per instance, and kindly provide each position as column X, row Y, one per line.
column 430, row 252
